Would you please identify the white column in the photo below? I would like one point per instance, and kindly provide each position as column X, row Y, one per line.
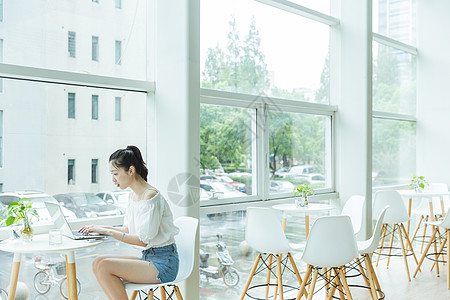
column 173, row 125
column 354, row 117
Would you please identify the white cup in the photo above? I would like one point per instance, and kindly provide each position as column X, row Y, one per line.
column 54, row 237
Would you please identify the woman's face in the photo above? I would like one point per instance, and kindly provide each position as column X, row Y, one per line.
column 121, row 178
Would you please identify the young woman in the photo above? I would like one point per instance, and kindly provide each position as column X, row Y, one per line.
column 148, row 223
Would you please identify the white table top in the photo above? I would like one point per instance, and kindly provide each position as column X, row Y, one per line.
column 312, row 207
column 40, row 244
column 413, row 194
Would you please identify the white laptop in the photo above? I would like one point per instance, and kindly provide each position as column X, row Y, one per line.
column 61, row 223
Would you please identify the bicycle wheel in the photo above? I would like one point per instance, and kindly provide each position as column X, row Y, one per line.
column 3, row 294
column 63, row 288
column 41, row 282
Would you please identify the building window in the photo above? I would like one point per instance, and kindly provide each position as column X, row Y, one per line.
column 118, row 3
column 118, row 109
column 95, row 1
column 1, row 138
column 1, row 187
column 71, row 105
column 94, row 167
column 94, row 107
column 1, row 10
column 71, row 44
column 95, row 48
column 71, row 171
column 118, row 58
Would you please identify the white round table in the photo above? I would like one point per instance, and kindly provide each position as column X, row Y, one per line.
column 291, row 208
column 40, row 245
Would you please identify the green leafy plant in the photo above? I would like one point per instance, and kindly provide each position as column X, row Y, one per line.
column 20, row 211
column 418, row 182
column 304, row 190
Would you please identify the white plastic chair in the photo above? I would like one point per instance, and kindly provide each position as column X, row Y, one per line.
column 433, row 240
column 331, row 244
column 365, row 249
column 265, row 234
column 354, row 209
column 185, row 242
column 395, row 216
column 423, row 209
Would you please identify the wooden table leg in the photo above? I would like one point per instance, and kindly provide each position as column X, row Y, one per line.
column 307, row 225
column 283, row 223
column 409, row 213
column 448, row 261
column 14, row 276
column 71, row 276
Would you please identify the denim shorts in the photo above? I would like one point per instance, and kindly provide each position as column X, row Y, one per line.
column 165, row 259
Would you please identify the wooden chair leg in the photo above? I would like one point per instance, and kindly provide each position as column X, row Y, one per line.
column 361, row 269
column 375, row 279
column 404, row 253
column 150, row 295
column 424, row 233
column 344, row 282
column 177, row 293
column 424, row 254
column 279, row 278
column 133, row 295
column 335, row 283
column 305, row 280
column 297, row 273
column 417, row 228
column 269, row 270
column 313, row 284
column 391, row 243
column 163, row 293
column 409, row 243
column 250, row 277
column 340, row 285
column 368, row 262
column 440, row 251
column 447, row 234
column 383, row 236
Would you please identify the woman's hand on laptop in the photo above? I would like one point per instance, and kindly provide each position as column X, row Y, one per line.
column 94, row 229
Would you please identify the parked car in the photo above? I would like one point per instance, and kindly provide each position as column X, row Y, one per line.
column 282, row 171
column 118, row 198
column 313, row 178
column 87, row 205
column 219, row 190
column 281, row 186
column 38, row 199
column 299, row 170
column 239, row 186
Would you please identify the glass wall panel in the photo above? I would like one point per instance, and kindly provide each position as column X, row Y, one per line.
column 394, row 80
column 226, row 157
column 299, row 151
column 46, row 151
column 60, row 35
column 395, row 19
column 249, row 47
column 394, row 151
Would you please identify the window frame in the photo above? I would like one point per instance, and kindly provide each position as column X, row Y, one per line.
column 95, row 48
column 94, row 108
column 118, row 109
column 71, row 105
column 71, row 44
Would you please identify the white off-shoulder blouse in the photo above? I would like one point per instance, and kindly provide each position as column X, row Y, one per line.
column 151, row 220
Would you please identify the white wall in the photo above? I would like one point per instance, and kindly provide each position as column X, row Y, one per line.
column 433, row 107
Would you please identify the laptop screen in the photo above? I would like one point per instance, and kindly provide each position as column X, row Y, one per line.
column 58, row 218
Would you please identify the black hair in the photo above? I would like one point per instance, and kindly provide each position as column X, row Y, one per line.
column 130, row 156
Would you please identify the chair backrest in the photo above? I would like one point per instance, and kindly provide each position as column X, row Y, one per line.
column 264, row 232
column 446, row 222
column 331, row 242
column 439, row 188
column 397, row 211
column 372, row 244
column 354, row 208
column 185, row 241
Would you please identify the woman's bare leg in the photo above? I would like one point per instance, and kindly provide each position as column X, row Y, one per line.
column 109, row 270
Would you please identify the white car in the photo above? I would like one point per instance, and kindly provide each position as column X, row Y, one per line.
column 119, row 198
column 38, row 200
column 314, row 179
column 297, row 171
column 218, row 190
column 281, row 186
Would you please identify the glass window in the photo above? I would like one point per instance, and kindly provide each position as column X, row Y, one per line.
column 226, row 158
column 94, row 107
column 71, row 171
column 394, row 80
column 94, row 171
column 299, row 151
column 71, row 105
column 393, row 151
column 249, row 55
column 118, row 109
column 1, row 138
column 118, row 3
column 95, row 48
column 118, row 56
column 395, row 19
column 1, row 60
column 71, row 44
column 1, row 10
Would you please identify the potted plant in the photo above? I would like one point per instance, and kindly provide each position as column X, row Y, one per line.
column 20, row 211
column 303, row 190
column 418, row 183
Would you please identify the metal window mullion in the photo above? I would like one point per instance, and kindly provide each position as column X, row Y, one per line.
column 393, row 116
column 394, row 43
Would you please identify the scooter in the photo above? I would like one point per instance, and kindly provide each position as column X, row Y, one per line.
column 229, row 274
